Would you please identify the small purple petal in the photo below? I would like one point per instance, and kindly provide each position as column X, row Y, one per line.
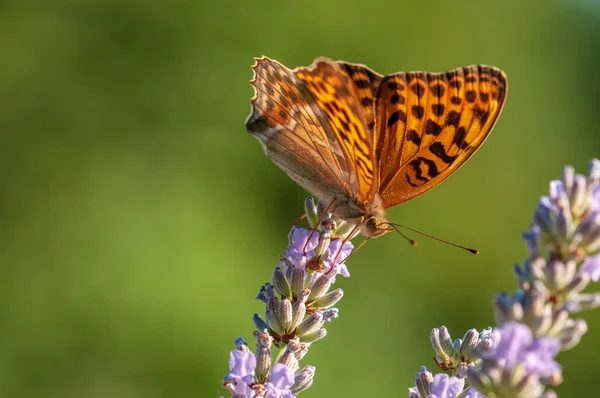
column 591, row 266
column 515, row 344
column 594, row 169
column 241, row 366
column 334, row 251
column 444, row 386
column 281, row 380
column 298, row 238
column 595, row 199
column 557, row 190
column 472, row 393
column 330, row 314
column 541, row 357
column 241, row 389
column 547, row 204
column 512, row 341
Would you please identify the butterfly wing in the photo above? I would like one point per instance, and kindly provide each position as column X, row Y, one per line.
column 429, row 124
column 364, row 86
column 311, row 125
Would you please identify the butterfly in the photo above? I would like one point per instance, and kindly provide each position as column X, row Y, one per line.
column 363, row 142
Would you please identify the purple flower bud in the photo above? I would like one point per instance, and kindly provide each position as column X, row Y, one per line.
column 311, row 324
column 259, row 323
column 266, row 293
column 312, row 337
column 329, row 299
column 263, row 356
column 241, row 344
column 319, row 285
column 303, row 379
column 281, row 283
column 330, row 314
column 285, row 315
column 310, row 208
column 299, row 309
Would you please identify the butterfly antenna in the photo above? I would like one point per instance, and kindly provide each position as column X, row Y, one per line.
column 361, row 244
column 411, row 241
column 396, row 226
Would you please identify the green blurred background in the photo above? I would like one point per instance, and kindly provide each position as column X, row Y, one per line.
column 139, row 219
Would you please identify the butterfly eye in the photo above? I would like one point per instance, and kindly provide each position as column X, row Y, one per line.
column 373, row 223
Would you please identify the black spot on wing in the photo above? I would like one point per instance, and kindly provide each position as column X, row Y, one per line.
column 418, row 89
column 452, row 119
column 481, row 114
column 394, row 117
column 432, row 128
column 366, row 101
column 455, row 84
column 437, row 148
column 413, row 137
column 459, row 138
column 397, row 99
column 438, row 90
column 470, row 96
column 417, row 111
column 438, row 109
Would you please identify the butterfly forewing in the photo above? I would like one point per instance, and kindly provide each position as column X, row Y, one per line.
column 364, row 85
column 294, row 130
column 338, row 95
column 429, row 124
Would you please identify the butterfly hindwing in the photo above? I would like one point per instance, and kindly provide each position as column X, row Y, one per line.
column 429, row 124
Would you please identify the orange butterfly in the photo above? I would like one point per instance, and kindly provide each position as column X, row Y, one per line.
column 364, row 142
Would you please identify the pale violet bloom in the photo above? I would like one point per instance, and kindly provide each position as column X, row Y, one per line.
column 518, row 365
column 241, row 370
column 281, row 380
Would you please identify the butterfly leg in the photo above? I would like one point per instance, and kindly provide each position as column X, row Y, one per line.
column 302, row 217
column 361, row 244
column 321, row 217
column 346, row 239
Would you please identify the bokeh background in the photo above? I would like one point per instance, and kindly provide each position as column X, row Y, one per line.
column 139, row 219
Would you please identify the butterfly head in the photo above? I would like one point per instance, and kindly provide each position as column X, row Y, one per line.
column 375, row 226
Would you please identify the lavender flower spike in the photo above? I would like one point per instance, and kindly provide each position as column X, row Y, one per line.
column 298, row 303
column 460, row 354
column 518, row 365
column 516, row 360
column 567, row 221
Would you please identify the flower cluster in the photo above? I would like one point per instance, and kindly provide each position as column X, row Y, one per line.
column 536, row 321
column 298, row 303
column 516, row 359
